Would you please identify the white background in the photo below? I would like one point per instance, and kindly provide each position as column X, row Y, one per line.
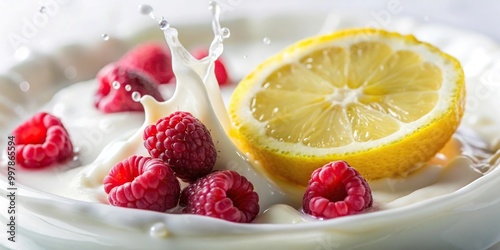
column 87, row 20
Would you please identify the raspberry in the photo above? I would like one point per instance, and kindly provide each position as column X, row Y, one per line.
column 42, row 141
column 184, row 143
column 153, row 59
column 142, row 182
column 109, row 98
column 220, row 70
column 221, row 194
column 336, row 190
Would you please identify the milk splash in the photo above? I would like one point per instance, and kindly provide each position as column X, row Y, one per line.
column 197, row 92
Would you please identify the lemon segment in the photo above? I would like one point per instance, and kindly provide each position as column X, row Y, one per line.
column 382, row 101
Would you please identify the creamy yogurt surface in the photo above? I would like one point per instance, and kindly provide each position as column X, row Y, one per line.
column 52, row 197
column 107, row 133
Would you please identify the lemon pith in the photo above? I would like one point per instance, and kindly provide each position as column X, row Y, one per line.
column 379, row 100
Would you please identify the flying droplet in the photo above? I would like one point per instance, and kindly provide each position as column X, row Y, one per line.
column 213, row 6
column 24, row 86
column 164, row 25
column 128, row 87
column 266, row 40
column 225, row 33
column 245, row 56
column 42, row 9
column 105, row 37
column 116, row 85
column 136, row 96
column 146, row 9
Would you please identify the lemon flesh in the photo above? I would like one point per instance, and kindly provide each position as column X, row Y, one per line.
column 381, row 101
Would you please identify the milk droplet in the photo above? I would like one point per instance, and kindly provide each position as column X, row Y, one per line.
column 159, row 230
column 225, row 33
column 105, row 37
column 266, row 40
column 147, row 10
column 70, row 72
column 128, row 87
column 116, row 85
column 42, row 9
column 164, row 25
column 136, row 96
column 213, row 6
column 24, row 86
column 245, row 56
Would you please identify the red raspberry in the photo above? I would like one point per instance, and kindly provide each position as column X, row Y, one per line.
column 222, row 194
column 142, row 182
column 152, row 58
column 220, row 70
column 42, row 141
column 336, row 190
column 184, row 143
column 109, row 99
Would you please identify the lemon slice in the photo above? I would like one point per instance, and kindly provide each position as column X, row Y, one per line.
column 381, row 101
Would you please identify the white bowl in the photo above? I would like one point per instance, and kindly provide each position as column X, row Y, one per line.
column 466, row 218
